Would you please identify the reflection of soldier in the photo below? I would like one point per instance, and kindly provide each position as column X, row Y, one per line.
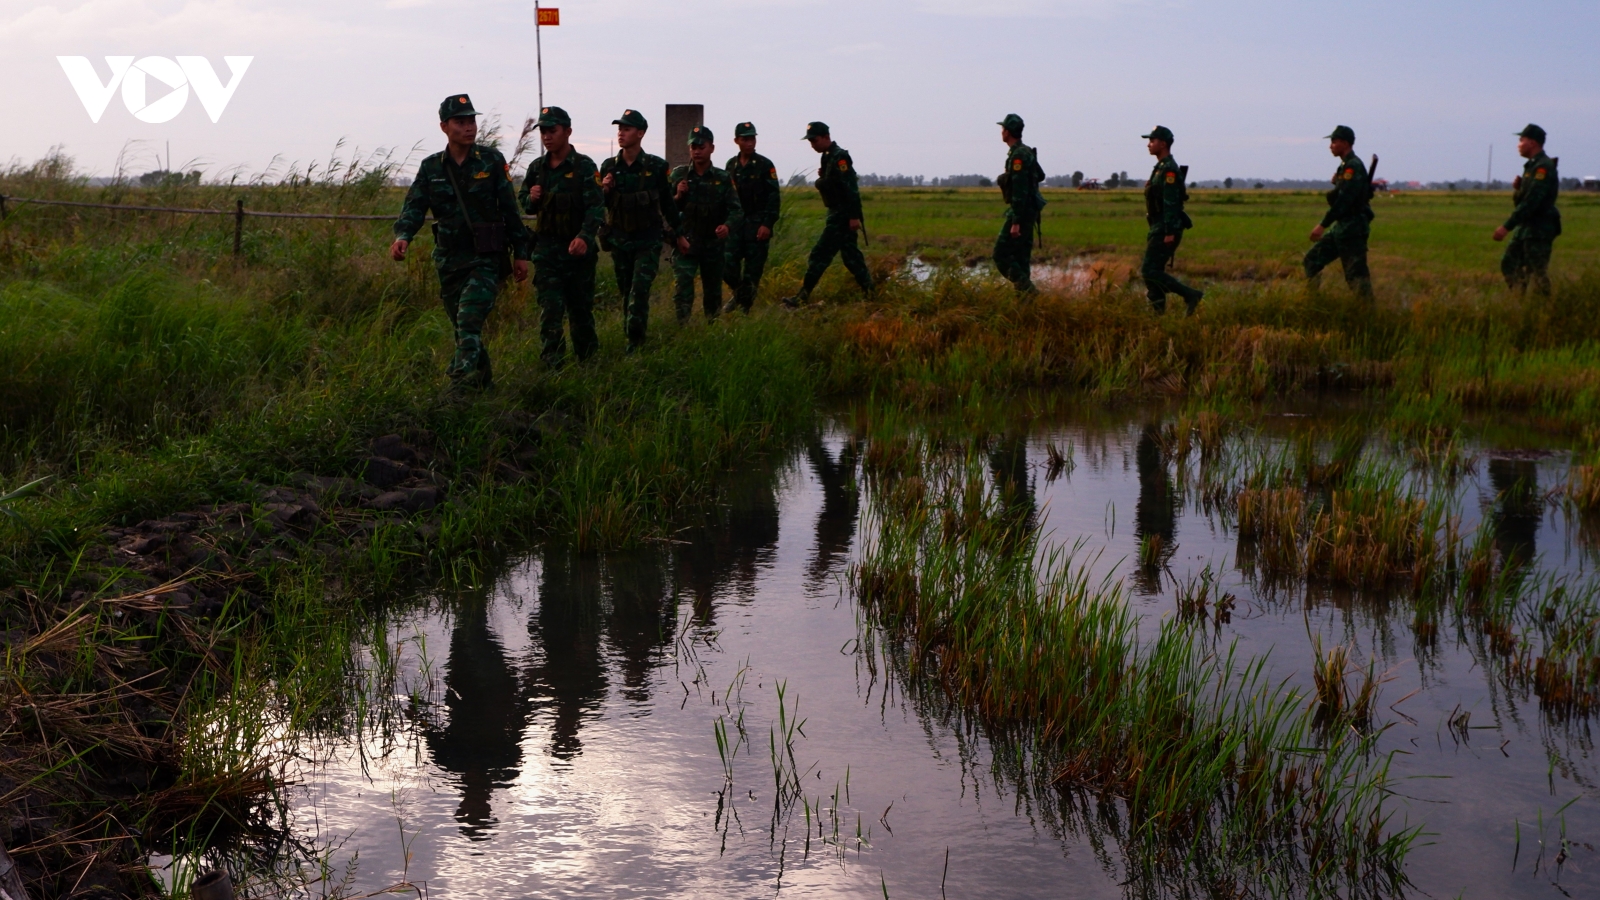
column 567, row 628
column 728, row 553
column 1008, row 465
column 1518, row 510
column 1155, row 516
column 482, row 742
column 841, row 503
column 640, row 623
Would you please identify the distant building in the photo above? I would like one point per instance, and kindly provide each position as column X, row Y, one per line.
column 1591, row 183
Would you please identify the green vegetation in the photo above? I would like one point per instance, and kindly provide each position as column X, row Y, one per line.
column 195, row 566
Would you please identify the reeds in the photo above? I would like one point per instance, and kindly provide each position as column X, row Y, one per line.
column 1199, row 746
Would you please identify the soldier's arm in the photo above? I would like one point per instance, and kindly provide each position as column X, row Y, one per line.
column 415, row 208
column 1171, row 203
column 594, row 202
column 774, row 197
column 1345, row 196
column 852, row 188
column 1023, row 206
column 669, row 208
column 528, row 181
column 505, row 198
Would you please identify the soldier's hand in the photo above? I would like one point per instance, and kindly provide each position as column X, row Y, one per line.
column 1169, row 239
column 855, row 224
column 535, row 192
column 1500, row 233
column 683, row 245
column 763, row 233
column 1016, row 230
column 722, row 231
column 519, row 269
column 1316, row 234
column 397, row 250
column 609, row 182
column 682, row 190
column 578, row 247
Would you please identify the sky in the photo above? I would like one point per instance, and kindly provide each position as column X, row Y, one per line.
column 914, row 87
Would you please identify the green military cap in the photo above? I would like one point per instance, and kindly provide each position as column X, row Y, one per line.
column 1342, row 133
column 456, row 105
column 633, row 118
column 1012, row 123
column 1159, row 133
column 815, row 130
column 744, row 129
column 1533, row 132
column 554, row 115
column 700, row 135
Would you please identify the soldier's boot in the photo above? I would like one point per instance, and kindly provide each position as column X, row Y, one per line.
column 795, row 301
column 1314, row 284
column 1192, row 302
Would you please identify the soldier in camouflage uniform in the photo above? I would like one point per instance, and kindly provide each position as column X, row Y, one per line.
column 1164, row 195
column 1019, row 186
column 707, row 201
column 476, row 232
column 1343, row 233
column 562, row 188
column 1535, row 223
column 841, row 194
column 750, row 235
column 640, row 215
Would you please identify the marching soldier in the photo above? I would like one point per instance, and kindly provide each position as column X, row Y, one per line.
column 563, row 189
column 706, row 200
column 1164, row 195
column 640, row 215
column 841, row 194
column 1019, row 186
column 1343, row 232
column 476, row 232
column 750, row 235
column 1535, row 223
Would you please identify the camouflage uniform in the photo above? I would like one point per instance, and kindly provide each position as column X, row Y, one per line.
column 1164, row 195
column 1019, row 186
column 760, row 200
column 570, row 206
column 640, row 215
column 1535, row 223
column 469, row 280
column 1348, row 221
column 711, row 201
column 841, row 194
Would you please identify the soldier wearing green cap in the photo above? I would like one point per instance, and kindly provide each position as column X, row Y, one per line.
column 1535, row 223
column 640, row 216
column 750, row 234
column 707, row 200
column 1343, row 232
column 1019, row 186
column 562, row 188
column 477, row 232
column 1164, row 196
column 841, row 194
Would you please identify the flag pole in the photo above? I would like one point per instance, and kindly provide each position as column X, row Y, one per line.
column 538, row 50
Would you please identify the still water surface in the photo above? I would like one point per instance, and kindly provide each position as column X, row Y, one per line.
column 559, row 735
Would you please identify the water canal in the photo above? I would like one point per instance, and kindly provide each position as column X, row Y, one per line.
column 556, row 732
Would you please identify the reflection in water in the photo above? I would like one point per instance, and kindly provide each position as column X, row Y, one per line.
column 1008, row 465
column 1518, row 508
column 569, row 678
column 727, row 550
column 1155, row 513
column 841, row 505
column 481, row 744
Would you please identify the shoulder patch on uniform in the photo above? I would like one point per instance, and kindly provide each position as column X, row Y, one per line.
column 597, row 178
column 1349, row 174
column 1172, row 177
column 844, row 164
column 1016, row 164
column 773, row 172
column 1539, row 174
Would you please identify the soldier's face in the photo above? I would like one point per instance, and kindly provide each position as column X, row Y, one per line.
column 555, row 137
column 461, row 130
column 628, row 137
column 1528, row 147
column 1339, row 148
column 701, row 153
column 821, row 142
column 747, row 145
column 1158, row 148
column 1005, row 135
